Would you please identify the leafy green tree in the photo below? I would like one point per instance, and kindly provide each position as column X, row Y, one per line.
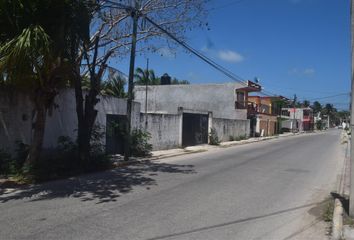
column 35, row 41
column 317, row 107
column 110, row 34
column 175, row 81
column 329, row 109
column 306, row 103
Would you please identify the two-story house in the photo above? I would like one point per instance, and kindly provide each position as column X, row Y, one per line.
column 297, row 119
column 264, row 113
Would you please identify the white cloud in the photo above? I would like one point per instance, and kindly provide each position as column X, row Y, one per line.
column 309, row 71
column 302, row 72
column 230, row 56
column 294, row 71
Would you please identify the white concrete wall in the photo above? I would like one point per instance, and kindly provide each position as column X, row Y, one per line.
column 61, row 122
column 15, row 119
column 226, row 128
column 165, row 130
column 216, row 98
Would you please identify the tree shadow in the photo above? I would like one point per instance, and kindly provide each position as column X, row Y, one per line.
column 101, row 187
column 238, row 221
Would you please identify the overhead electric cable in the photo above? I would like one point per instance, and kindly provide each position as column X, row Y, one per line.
column 332, row 96
column 206, row 59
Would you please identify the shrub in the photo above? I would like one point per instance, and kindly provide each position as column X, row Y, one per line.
column 12, row 165
column 5, row 161
column 213, row 137
column 243, row 137
column 238, row 138
column 319, row 125
column 140, row 146
column 22, row 150
column 63, row 161
column 97, row 148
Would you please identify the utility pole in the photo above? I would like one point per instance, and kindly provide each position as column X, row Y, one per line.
column 294, row 119
column 351, row 196
column 135, row 15
column 146, row 92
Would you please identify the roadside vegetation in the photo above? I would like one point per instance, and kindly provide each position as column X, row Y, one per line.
column 238, row 138
column 46, row 46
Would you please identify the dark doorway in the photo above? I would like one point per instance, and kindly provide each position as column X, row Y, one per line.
column 115, row 128
column 195, row 129
column 253, row 125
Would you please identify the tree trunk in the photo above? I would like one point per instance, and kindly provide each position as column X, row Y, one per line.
column 81, row 131
column 86, row 115
column 38, row 136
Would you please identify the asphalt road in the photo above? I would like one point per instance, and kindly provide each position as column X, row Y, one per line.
column 266, row 190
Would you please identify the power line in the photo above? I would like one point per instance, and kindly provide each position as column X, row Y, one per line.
column 274, row 87
column 198, row 54
column 206, row 59
column 333, row 96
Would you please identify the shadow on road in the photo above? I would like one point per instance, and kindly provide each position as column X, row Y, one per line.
column 101, row 187
column 235, row 222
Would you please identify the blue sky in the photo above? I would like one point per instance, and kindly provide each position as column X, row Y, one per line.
column 297, row 47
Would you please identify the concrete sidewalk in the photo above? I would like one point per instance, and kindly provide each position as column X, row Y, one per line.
column 155, row 155
column 339, row 230
column 205, row 147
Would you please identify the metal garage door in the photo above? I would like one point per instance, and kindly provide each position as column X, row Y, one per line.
column 195, row 129
column 115, row 128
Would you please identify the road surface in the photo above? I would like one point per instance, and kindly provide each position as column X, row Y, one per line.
column 266, row 190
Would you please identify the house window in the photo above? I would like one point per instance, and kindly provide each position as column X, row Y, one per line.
column 240, row 100
column 285, row 113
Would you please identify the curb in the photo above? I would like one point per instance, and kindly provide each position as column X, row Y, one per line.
column 337, row 221
column 186, row 152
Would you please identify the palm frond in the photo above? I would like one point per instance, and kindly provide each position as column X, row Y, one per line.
column 25, row 55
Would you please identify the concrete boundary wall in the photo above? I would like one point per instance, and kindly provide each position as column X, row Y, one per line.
column 16, row 117
column 228, row 127
column 165, row 130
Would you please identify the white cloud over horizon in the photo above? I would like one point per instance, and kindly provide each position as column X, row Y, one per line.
column 225, row 55
column 230, row 56
column 302, row 72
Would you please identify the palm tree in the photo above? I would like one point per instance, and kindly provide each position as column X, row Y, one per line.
column 306, row 103
column 114, row 87
column 33, row 53
column 328, row 109
column 142, row 76
column 317, row 107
